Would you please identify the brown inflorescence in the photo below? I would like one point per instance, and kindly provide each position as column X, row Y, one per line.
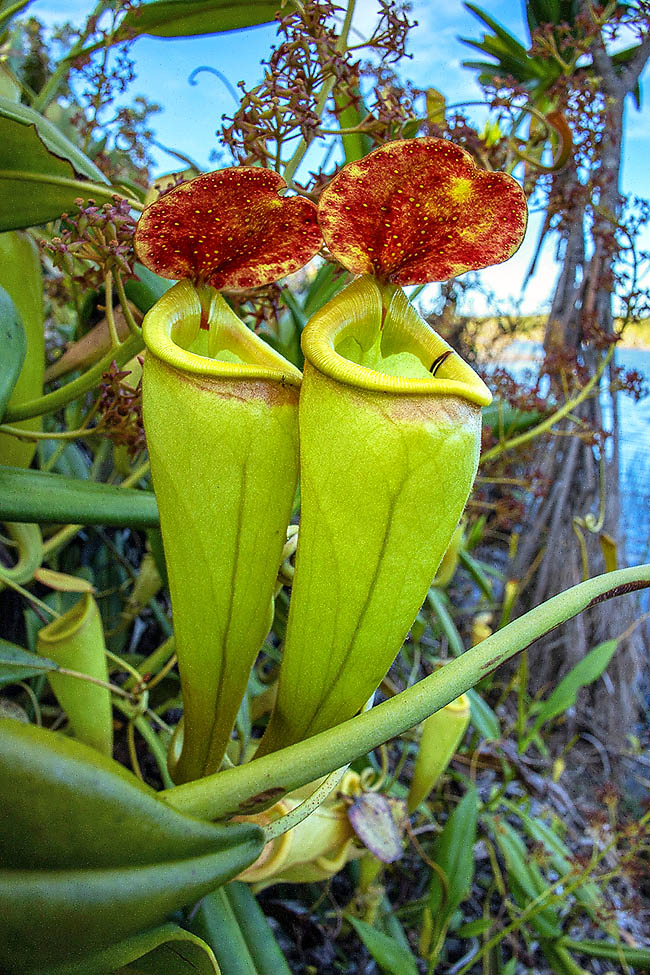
column 420, row 210
column 229, row 229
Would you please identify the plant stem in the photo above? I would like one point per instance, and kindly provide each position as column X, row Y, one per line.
column 126, row 308
column 83, row 384
column 50, row 88
column 282, row 825
column 549, row 421
column 216, row 796
column 325, row 91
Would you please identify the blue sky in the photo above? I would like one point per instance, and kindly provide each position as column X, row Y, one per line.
column 193, row 113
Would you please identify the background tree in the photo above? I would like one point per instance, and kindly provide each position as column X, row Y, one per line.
column 582, row 60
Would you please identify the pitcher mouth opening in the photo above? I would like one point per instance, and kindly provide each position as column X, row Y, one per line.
column 193, row 329
column 371, row 337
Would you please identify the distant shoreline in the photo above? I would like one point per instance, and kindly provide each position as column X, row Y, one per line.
column 493, row 340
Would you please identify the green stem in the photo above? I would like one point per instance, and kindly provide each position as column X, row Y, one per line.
column 234, row 790
column 50, row 88
column 83, row 384
column 550, row 421
column 282, row 825
column 638, row 957
column 153, row 663
column 325, row 91
column 124, row 302
column 153, row 742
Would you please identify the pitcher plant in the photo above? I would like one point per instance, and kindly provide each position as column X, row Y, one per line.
column 379, row 440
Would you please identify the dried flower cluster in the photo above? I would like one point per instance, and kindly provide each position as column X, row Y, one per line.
column 120, row 409
column 102, row 235
column 307, row 62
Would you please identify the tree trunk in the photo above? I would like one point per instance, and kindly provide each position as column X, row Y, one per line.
column 579, row 477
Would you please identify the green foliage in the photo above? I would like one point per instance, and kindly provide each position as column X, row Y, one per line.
column 392, row 957
column 41, row 172
column 187, row 18
column 231, row 921
column 563, row 697
column 17, row 664
column 90, row 854
column 40, row 496
column 166, row 950
column 453, row 853
column 14, row 345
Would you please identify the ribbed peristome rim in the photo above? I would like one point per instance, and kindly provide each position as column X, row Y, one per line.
column 174, row 323
column 68, row 625
column 357, row 313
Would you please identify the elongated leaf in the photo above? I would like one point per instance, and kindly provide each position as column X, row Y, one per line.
column 90, row 856
column 145, row 290
column 42, row 497
column 482, row 717
column 508, row 39
column 22, row 279
column 506, row 419
column 167, row 950
column 526, row 879
column 638, row 957
column 14, row 347
column 17, row 664
column 453, row 851
column 392, row 957
column 41, row 172
column 352, row 112
column 216, row 923
column 246, row 788
column 585, row 672
column 183, row 18
column 588, row 894
column 260, row 940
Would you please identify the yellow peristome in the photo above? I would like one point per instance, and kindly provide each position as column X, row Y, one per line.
column 172, row 332
column 220, row 412
column 402, row 331
column 76, row 641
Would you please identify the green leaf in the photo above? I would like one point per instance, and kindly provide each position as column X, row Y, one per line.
column 22, row 279
column 167, row 950
column 260, row 940
column 504, row 418
column 474, row 928
column 526, row 879
column 391, row 956
column 90, row 856
column 358, row 144
column 588, row 670
column 18, row 664
column 9, row 9
column 482, row 717
column 588, row 893
column 638, row 957
column 42, row 497
column 145, row 290
column 187, row 18
column 14, row 347
column 327, row 283
column 41, row 172
column 216, row 923
column 453, row 851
